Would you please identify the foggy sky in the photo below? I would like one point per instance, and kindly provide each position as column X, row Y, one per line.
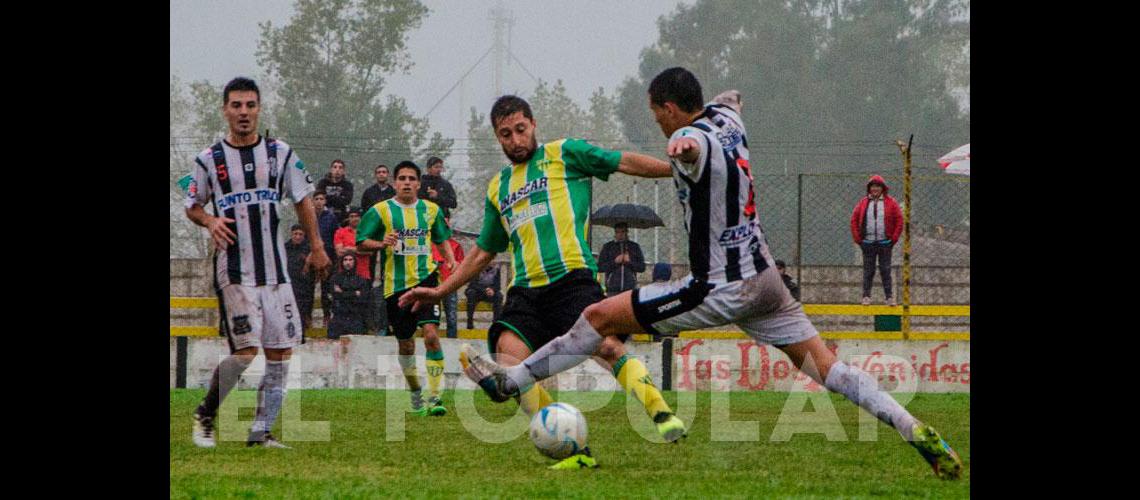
column 586, row 43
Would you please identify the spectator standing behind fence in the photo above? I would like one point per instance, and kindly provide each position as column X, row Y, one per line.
column 338, row 188
column 876, row 225
column 621, row 260
column 345, row 241
column 350, row 297
column 793, row 287
column 377, row 193
column 451, row 302
column 484, row 288
column 326, row 225
column 296, row 249
column 437, row 189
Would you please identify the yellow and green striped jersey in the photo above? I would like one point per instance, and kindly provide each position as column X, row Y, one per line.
column 540, row 210
column 409, row 261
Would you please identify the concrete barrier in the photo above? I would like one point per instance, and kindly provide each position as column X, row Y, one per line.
column 695, row 364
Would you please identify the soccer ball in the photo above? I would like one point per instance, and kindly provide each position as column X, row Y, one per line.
column 558, row 430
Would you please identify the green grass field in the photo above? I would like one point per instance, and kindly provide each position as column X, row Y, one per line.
column 438, row 457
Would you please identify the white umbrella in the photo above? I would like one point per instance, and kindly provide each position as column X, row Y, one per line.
column 957, row 161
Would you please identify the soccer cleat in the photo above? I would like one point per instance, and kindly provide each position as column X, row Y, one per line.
column 419, row 409
column 203, row 433
column 670, row 427
column 866, row 301
column 488, row 374
column 584, row 460
column 937, row 452
column 435, row 407
column 267, row 441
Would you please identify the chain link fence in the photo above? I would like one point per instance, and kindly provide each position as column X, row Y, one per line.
column 806, row 218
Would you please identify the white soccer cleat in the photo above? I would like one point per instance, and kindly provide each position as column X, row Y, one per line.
column 268, row 441
column 203, row 434
column 488, row 374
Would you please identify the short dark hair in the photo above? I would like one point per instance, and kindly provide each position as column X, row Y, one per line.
column 320, row 192
column 338, row 160
column 433, row 160
column 296, row 227
column 406, row 164
column 679, row 86
column 780, row 263
column 621, row 225
column 508, row 105
column 239, row 83
column 378, row 167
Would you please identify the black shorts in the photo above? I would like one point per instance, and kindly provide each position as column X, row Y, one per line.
column 403, row 322
column 539, row 315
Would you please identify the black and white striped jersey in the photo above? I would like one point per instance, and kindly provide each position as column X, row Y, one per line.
column 726, row 242
column 247, row 185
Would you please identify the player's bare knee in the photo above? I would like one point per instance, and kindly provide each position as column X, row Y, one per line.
column 610, row 350
column 596, row 315
column 246, row 355
column 278, row 354
column 431, row 340
column 406, row 347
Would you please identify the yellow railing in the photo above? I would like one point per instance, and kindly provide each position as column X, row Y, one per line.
column 810, row 309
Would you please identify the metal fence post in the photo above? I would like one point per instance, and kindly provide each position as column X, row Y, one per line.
column 799, row 229
column 906, row 237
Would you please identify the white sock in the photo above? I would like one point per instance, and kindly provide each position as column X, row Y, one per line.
column 271, row 396
column 561, row 354
column 408, row 367
column 864, row 391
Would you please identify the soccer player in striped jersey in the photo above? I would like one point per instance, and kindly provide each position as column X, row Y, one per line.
column 244, row 178
column 538, row 208
column 402, row 230
column 733, row 280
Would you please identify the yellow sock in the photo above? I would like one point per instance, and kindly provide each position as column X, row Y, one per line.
column 634, row 378
column 534, row 399
column 434, row 370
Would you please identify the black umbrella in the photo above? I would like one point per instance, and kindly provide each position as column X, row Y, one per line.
column 636, row 216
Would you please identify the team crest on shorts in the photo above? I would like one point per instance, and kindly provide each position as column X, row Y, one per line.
column 290, row 330
column 241, row 325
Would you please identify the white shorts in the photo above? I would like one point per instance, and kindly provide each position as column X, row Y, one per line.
column 760, row 305
column 260, row 316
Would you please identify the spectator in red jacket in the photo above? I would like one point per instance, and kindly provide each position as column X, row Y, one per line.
column 451, row 302
column 876, row 225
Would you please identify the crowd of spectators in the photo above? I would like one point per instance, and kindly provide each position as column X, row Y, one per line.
column 352, row 301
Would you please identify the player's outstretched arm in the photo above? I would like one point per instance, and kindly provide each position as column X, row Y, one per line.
column 730, row 98
column 471, row 265
column 685, row 149
column 641, row 165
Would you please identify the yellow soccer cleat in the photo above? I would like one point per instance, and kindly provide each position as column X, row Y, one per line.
column 583, row 460
column 670, row 427
column 943, row 459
